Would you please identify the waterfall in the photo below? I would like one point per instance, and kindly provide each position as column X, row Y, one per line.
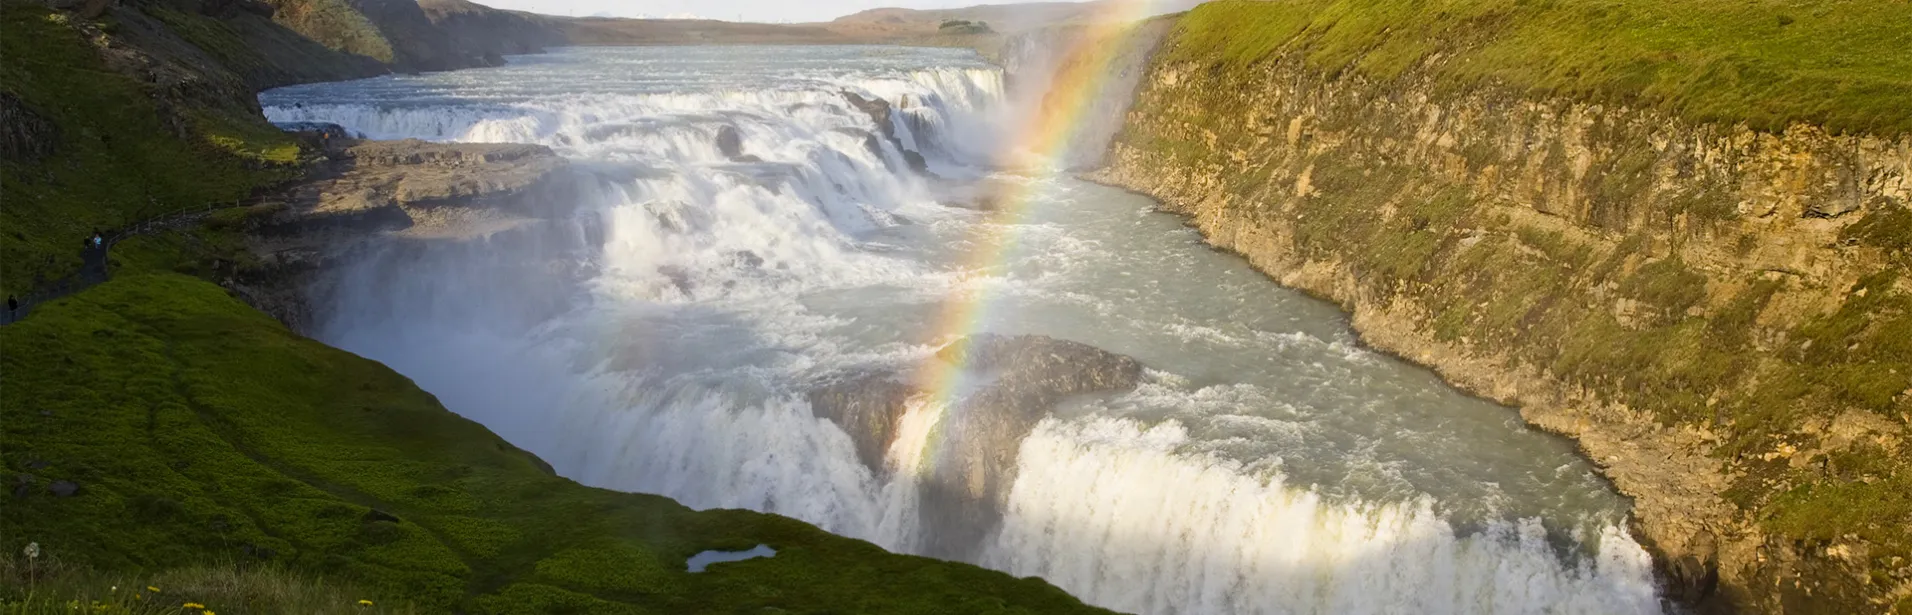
column 750, row 230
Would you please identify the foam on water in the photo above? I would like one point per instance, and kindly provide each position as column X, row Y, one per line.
column 660, row 335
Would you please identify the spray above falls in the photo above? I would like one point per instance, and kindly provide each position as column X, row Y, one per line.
column 747, row 302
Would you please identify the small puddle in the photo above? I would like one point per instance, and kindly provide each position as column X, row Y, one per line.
column 699, row 561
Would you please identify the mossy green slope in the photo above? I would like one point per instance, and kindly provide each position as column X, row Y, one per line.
column 114, row 161
column 200, row 430
column 1842, row 65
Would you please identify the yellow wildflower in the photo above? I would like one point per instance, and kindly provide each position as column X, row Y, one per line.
column 208, row 612
column 365, row 603
column 195, row 605
column 152, row 589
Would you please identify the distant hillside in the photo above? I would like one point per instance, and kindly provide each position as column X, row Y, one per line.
column 488, row 34
column 615, row 31
column 982, row 27
column 1006, row 18
column 416, row 36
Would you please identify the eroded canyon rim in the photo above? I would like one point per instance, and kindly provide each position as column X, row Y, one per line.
column 745, row 301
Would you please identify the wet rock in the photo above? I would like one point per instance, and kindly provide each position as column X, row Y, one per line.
column 22, row 486
column 64, row 488
column 38, row 464
column 964, row 494
column 746, row 259
column 967, row 481
column 679, row 277
column 1693, row 578
column 376, row 515
column 868, row 407
column 880, row 112
column 729, row 142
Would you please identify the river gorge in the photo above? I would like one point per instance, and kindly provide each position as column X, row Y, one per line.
column 800, row 280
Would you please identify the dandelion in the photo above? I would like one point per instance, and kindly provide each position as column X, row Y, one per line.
column 194, row 605
column 152, row 589
column 33, row 550
column 365, row 603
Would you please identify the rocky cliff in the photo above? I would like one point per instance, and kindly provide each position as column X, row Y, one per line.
column 368, row 194
column 1713, row 301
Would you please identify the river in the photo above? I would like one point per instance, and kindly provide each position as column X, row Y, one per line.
column 749, row 232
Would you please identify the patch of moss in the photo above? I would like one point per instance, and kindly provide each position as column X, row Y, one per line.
column 201, row 431
column 1668, row 285
column 1887, row 228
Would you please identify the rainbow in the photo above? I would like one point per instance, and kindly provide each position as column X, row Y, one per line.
column 1079, row 77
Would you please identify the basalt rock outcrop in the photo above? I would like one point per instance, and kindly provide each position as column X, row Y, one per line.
column 1720, row 316
column 381, row 191
column 1017, row 382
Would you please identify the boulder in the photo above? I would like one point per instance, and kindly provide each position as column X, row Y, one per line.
column 64, row 488
column 866, row 406
column 880, row 113
column 966, row 483
column 731, row 144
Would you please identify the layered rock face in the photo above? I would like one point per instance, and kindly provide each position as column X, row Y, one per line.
column 375, row 192
column 1721, row 317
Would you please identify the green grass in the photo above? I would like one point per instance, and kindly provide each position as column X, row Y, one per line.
column 115, row 163
column 202, row 432
column 1841, row 65
column 47, row 586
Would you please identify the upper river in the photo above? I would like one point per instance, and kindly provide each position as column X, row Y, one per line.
column 744, row 231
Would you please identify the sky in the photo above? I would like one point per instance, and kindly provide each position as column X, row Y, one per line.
column 729, row 10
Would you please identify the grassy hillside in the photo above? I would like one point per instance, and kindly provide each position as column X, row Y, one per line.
column 156, row 431
column 115, row 156
column 201, row 431
column 1844, row 65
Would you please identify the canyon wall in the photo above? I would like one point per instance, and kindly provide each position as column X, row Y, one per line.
column 1719, row 315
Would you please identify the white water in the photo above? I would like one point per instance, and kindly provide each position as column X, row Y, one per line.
column 661, row 339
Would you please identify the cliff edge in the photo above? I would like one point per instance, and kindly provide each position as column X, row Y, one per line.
column 1679, row 233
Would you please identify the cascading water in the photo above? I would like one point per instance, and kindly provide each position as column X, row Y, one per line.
column 753, row 229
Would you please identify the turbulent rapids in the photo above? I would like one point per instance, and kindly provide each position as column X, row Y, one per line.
column 745, row 308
